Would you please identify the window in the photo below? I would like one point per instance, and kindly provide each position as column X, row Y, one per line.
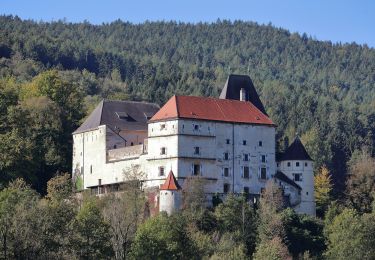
column 297, row 164
column 161, row 171
column 162, row 126
column 263, row 159
column 244, row 142
column 131, row 144
column 263, row 173
column 226, row 156
column 90, row 168
column 297, row 176
column 115, row 146
column 307, row 193
column 246, row 190
column 196, row 150
column 228, row 141
column 196, row 127
column 226, row 187
column 305, row 164
column 288, row 164
column 226, row 172
column 163, row 150
column 196, row 169
column 245, row 157
column 260, row 143
column 246, row 172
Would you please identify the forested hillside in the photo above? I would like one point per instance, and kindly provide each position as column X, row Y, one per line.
column 52, row 74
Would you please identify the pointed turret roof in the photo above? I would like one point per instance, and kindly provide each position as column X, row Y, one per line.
column 170, row 183
column 296, row 151
column 233, row 87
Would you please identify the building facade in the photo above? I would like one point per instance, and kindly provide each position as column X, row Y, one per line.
column 228, row 141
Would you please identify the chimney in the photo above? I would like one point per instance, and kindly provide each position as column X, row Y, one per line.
column 243, row 95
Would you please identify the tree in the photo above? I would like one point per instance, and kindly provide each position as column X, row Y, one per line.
column 125, row 211
column 235, row 216
column 360, row 188
column 91, row 233
column 193, row 195
column 163, row 237
column 274, row 249
column 323, row 188
column 351, row 236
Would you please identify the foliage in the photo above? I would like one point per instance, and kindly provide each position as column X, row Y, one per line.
column 323, row 189
column 351, row 236
column 163, row 237
column 361, row 183
column 274, row 249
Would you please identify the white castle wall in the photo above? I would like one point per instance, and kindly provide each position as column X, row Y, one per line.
column 305, row 167
column 170, row 201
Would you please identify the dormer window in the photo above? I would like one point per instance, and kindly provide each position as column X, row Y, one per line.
column 125, row 116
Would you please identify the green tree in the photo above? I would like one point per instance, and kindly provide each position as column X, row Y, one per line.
column 351, row 236
column 91, row 233
column 163, row 237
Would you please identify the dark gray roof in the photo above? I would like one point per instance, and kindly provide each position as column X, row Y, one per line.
column 282, row 177
column 296, row 151
column 119, row 115
column 233, row 87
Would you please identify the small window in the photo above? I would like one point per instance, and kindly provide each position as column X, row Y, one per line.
column 100, row 182
column 244, row 142
column 162, row 126
column 196, row 150
column 196, row 127
column 288, row 164
column 263, row 158
column 305, row 164
column 260, row 143
column 228, row 141
column 226, row 172
column 246, row 172
column 196, row 169
column 297, row 164
column 307, row 193
column 246, row 190
column 226, row 156
column 297, row 176
column 263, row 173
column 115, row 146
column 90, row 168
column 161, row 171
column 163, row 150
column 246, row 157
column 131, row 144
column 226, row 187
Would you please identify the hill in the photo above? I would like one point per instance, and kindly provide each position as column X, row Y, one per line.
column 320, row 90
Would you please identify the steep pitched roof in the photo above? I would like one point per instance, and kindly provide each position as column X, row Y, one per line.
column 282, row 177
column 296, row 151
column 119, row 115
column 233, row 86
column 212, row 109
column 170, row 183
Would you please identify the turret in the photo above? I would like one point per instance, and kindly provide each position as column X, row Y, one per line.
column 297, row 164
column 170, row 195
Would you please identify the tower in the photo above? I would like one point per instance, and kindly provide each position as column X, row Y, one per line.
column 298, row 166
column 170, row 195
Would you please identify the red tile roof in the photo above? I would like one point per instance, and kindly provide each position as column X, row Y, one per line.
column 212, row 109
column 170, row 183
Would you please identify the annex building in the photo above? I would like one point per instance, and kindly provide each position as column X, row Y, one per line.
column 228, row 141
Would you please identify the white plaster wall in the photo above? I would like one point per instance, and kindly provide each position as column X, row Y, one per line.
column 170, row 201
column 307, row 204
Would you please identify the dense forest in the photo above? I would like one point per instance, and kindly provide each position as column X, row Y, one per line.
column 320, row 90
column 53, row 74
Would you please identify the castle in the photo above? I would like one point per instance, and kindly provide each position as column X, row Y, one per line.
column 228, row 141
